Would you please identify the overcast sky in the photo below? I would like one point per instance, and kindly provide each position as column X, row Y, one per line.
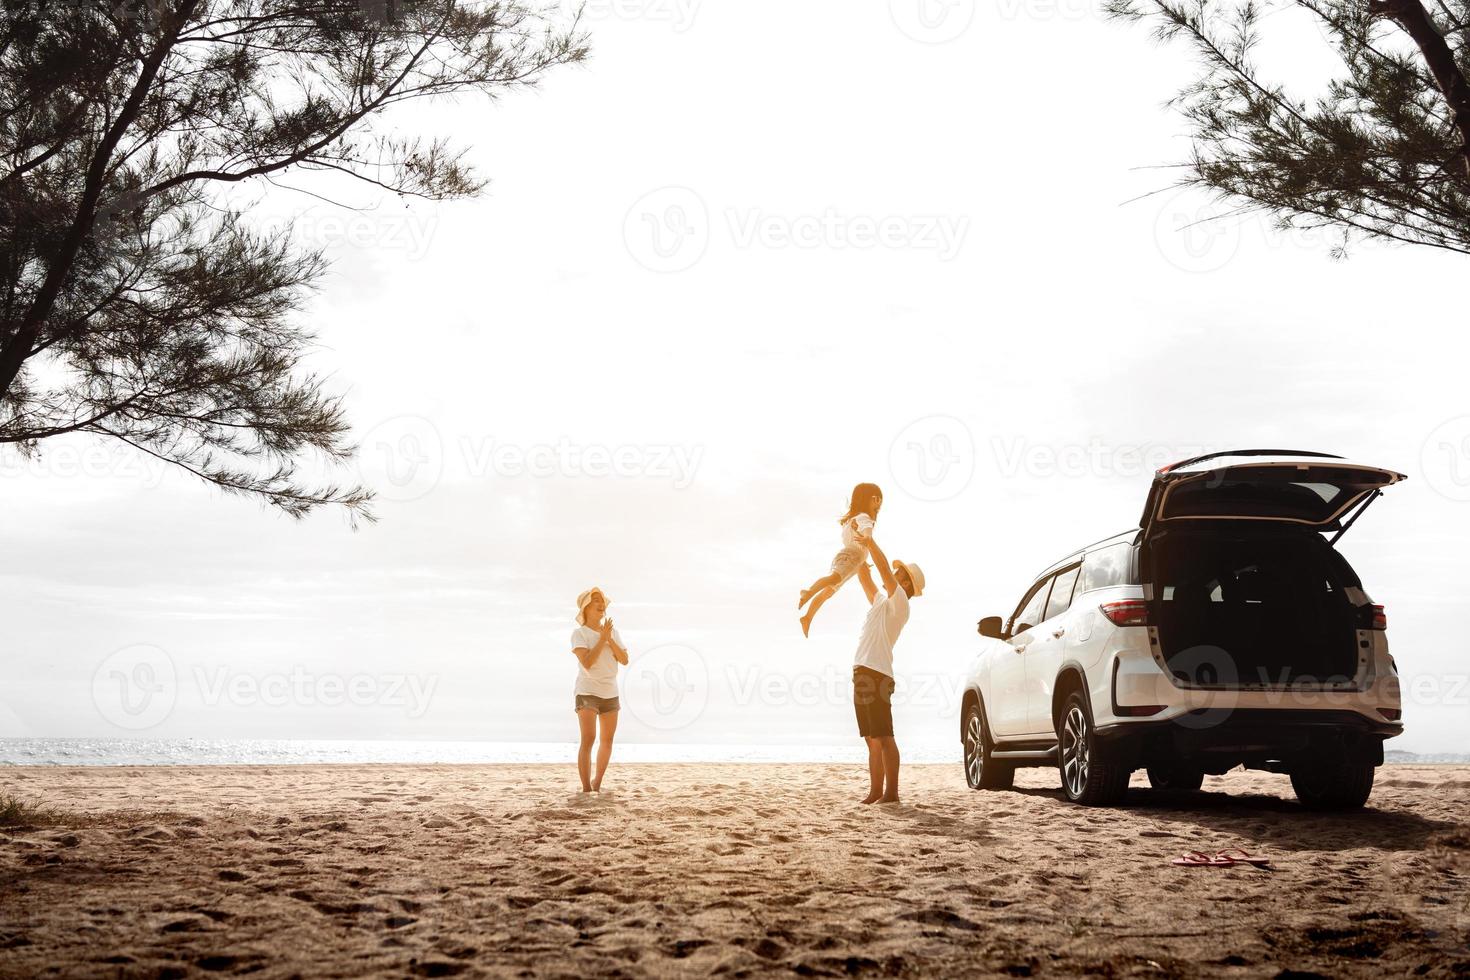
column 749, row 255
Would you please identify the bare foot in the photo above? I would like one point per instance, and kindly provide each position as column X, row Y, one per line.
column 596, row 787
column 888, row 799
column 806, row 625
column 806, row 596
column 872, row 798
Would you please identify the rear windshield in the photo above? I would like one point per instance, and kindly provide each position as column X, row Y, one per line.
column 1242, row 567
column 1313, row 496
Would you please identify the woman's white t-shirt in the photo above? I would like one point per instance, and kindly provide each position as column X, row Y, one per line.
column 601, row 679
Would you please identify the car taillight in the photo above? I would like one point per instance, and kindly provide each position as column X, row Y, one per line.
column 1126, row 612
column 1372, row 617
column 1392, row 714
column 1138, row 710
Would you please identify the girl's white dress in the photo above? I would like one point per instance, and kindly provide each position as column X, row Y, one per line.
column 854, row 553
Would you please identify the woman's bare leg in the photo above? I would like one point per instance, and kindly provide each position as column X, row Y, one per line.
column 607, row 724
column 587, row 722
column 875, row 771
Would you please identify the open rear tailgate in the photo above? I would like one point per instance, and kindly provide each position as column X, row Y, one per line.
column 1310, row 489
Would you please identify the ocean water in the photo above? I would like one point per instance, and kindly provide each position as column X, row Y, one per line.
column 275, row 752
column 282, row 752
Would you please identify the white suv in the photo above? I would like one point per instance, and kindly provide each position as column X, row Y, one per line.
column 1225, row 630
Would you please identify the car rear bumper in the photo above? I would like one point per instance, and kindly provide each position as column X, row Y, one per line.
column 1244, row 733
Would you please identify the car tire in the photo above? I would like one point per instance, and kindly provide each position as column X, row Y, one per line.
column 1092, row 773
column 1175, row 779
column 981, row 770
column 1339, row 781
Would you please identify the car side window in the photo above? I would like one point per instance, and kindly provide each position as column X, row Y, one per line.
column 1105, row 567
column 1029, row 613
column 1061, row 591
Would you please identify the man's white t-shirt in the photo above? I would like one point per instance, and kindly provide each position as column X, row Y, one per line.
column 880, row 631
column 601, row 679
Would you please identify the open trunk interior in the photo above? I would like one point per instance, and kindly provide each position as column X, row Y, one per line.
column 1250, row 605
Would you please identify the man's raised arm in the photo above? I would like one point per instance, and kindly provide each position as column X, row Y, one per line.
column 865, row 578
column 890, row 584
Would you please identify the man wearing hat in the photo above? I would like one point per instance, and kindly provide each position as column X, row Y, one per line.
column 872, row 671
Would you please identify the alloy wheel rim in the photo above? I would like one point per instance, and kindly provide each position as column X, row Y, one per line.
column 1074, row 751
column 974, row 750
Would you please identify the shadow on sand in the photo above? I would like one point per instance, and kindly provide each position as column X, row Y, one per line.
column 1290, row 825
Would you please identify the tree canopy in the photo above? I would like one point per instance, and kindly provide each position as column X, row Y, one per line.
column 1381, row 150
column 134, row 304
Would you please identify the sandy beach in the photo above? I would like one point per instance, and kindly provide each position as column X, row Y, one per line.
column 736, row 870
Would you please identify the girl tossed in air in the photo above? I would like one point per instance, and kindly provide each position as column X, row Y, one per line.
column 857, row 526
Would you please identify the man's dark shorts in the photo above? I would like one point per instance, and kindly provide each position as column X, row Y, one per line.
column 872, row 698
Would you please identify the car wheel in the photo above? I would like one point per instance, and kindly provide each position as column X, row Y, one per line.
column 1340, row 781
column 1091, row 772
column 1175, row 779
column 982, row 771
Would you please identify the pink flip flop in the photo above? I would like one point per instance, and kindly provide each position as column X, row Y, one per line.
column 1199, row 859
column 1240, row 856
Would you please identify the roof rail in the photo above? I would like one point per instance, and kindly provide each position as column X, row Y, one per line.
column 1089, row 547
column 1247, row 452
column 1083, row 550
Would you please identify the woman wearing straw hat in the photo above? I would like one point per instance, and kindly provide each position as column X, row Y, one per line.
column 599, row 649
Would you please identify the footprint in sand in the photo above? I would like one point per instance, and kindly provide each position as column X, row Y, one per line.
column 940, row 917
column 217, row 963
